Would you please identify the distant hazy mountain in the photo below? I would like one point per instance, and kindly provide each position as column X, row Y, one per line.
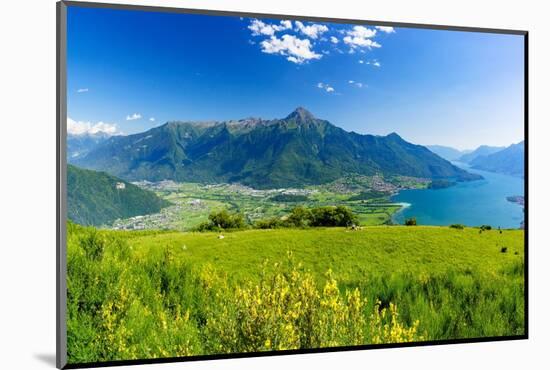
column 295, row 151
column 80, row 145
column 509, row 161
column 446, row 152
column 480, row 151
column 96, row 198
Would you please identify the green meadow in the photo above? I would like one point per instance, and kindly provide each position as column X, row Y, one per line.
column 147, row 294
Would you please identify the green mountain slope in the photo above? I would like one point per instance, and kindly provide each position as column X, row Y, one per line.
column 295, row 151
column 96, row 198
column 509, row 161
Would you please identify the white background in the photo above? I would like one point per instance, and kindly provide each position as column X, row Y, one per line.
column 27, row 183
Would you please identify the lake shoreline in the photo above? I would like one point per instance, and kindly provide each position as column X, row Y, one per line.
column 471, row 203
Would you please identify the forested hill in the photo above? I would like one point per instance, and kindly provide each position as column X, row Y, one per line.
column 97, row 198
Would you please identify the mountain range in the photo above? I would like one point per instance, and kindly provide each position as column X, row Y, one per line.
column 447, row 152
column 510, row 161
column 295, row 151
column 481, row 151
column 81, row 144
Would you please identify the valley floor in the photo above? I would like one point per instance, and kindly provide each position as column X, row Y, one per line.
column 367, row 196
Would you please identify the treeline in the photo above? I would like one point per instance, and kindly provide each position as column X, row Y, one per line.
column 299, row 217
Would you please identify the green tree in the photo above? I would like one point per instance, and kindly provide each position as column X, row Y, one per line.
column 299, row 217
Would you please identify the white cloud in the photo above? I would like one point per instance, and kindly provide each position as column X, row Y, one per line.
column 325, row 87
column 385, row 29
column 361, row 37
column 83, row 90
column 133, row 117
column 361, row 61
column 362, row 32
column 313, row 31
column 81, row 128
column 299, row 49
column 355, row 83
column 296, row 50
column 374, row 63
column 286, row 24
column 260, row 28
column 152, row 119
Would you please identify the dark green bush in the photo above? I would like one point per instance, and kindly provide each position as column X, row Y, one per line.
column 410, row 221
column 222, row 220
column 269, row 223
column 207, row 226
column 332, row 216
column 299, row 217
column 226, row 220
column 315, row 217
column 457, row 226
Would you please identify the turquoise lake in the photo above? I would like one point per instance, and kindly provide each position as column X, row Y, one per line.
column 473, row 203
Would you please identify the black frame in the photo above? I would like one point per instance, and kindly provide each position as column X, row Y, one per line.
column 61, row 191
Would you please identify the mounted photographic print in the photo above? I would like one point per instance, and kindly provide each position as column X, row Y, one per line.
column 236, row 184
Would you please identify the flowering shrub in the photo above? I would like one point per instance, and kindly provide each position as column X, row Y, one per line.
column 285, row 310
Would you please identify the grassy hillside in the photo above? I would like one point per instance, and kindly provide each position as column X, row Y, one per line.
column 157, row 294
column 350, row 254
column 93, row 198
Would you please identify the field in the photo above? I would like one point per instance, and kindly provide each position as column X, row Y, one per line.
column 146, row 294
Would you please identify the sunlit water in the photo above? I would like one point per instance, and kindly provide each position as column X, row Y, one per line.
column 473, row 203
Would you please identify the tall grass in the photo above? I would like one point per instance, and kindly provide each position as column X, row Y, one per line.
column 126, row 304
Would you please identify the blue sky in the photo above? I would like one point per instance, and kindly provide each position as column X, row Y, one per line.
column 129, row 71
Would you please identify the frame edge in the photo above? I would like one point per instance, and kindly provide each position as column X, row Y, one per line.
column 61, row 189
column 305, row 18
column 61, row 133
